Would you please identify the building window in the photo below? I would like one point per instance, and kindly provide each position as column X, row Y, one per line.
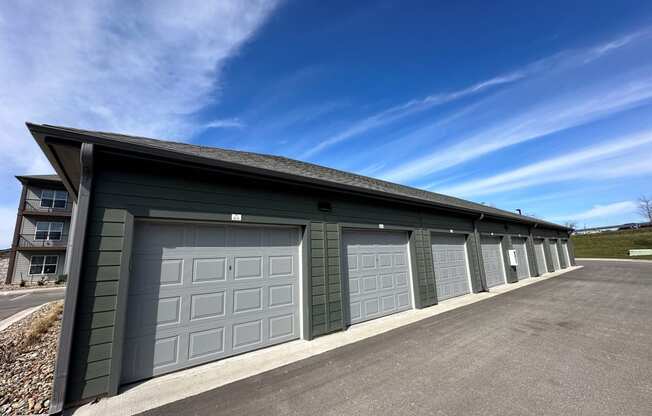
column 48, row 230
column 53, row 199
column 43, row 264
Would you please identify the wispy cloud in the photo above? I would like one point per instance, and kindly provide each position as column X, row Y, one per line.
column 398, row 112
column 599, row 211
column 224, row 124
column 554, row 115
column 136, row 67
column 126, row 66
column 595, row 162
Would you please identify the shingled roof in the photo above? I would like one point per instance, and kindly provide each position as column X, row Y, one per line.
column 301, row 171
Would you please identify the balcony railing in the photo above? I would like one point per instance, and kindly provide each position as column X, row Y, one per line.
column 28, row 241
column 34, row 205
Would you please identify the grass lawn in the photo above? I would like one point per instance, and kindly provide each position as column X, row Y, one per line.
column 613, row 244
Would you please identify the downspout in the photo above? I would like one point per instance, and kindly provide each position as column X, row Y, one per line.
column 70, row 306
column 478, row 253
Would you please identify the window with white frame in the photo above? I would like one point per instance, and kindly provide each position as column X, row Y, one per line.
column 43, row 264
column 53, row 199
column 48, row 230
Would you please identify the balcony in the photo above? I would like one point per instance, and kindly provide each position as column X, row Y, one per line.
column 33, row 206
column 27, row 242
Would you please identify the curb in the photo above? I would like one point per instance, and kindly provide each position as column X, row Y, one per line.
column 22, row 291
column 625, row 260
column 6, row 323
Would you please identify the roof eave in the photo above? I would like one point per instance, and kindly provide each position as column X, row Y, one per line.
column 40, row 132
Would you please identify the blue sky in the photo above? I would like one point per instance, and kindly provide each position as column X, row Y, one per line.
column 544, row 107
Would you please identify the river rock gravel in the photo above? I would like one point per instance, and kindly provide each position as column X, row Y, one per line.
column 26, row 371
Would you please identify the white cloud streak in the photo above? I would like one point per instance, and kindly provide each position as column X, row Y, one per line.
column 224, row 124
column 136, row 67
column 554, row 116
column 139, row 67
column 599, row 211
column 597, row 162
column 398, row 112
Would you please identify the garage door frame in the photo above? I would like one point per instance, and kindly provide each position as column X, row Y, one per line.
column 347, row 226
column 138, row 213
column 467, row 235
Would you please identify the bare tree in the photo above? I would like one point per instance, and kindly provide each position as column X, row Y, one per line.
column 571, row 224
column 645, row 207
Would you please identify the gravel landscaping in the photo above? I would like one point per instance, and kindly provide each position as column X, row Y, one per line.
column 27, row 354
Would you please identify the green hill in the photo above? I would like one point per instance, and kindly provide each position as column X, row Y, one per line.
column 612, row 244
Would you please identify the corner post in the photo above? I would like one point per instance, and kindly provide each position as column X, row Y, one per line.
column 67, row 325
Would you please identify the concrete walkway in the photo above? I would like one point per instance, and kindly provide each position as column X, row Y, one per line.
column 176, row 386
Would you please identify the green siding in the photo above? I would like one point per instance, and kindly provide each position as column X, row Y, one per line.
column 475, row 263
column 326, row 278
column 120, row 184
column 425, row 275
column 509, row 270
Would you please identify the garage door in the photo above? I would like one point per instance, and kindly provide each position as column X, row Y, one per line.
column 201, row 292
column 564, row 250
column 377, row 273
column 540, row 256
column 523, row 266
column 492, row 257
column 449, row 261
column 554, row 253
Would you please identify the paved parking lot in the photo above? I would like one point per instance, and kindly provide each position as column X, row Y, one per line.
column 579, row 344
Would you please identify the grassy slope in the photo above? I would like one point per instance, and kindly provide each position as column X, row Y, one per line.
column 613, row 244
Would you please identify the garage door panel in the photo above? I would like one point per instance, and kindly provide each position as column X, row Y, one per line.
column 449, row 261
column 540, row 256
column 188, row 304
column 492, row 259
column 377, row 273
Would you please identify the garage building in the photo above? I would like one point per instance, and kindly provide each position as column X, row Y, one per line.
column 184, row 254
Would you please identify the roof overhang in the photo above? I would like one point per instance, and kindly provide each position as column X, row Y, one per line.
column 62, row 148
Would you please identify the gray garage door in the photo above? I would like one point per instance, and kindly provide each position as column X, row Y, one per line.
column 201, row 292
column 554, row 253
column 564, row 250
column 523, row 267
column 540, row 256
column 492, row 258
column 449, row 260
column 376, row 264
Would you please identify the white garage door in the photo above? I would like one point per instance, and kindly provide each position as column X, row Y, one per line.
column 449, row 261
column 492, row 257
column 540, row 256
column 554, row 253
column 564, row 249
column 523, row 266
column 201, row 292
column 377, row 273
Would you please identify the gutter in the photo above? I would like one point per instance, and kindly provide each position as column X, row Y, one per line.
column 70, row 306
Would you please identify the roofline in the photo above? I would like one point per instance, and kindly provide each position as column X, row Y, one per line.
column 152, row 152
column 36, row 178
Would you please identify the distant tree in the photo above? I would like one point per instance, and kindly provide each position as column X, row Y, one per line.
column 645, row 207
column 571, row 224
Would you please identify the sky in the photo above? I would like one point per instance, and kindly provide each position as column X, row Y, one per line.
column 544, row 107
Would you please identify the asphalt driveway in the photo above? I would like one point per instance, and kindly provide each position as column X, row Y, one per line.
column 15, row 302
column 579, row 344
